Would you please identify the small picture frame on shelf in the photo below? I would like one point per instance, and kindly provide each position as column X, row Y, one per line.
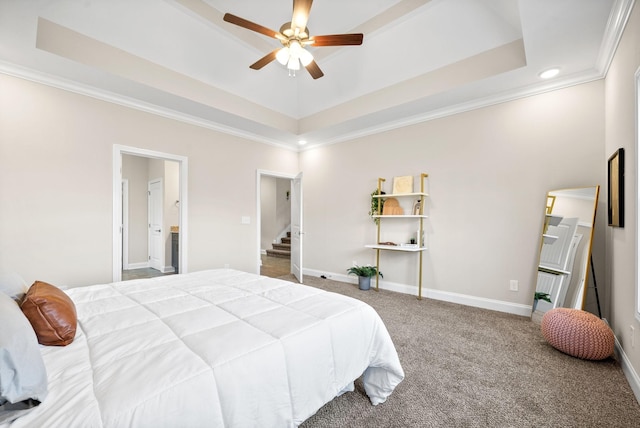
column 416, row 208
column 403, row 184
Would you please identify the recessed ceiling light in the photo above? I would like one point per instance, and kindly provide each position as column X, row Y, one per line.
column 302, row 142
column 548, row 74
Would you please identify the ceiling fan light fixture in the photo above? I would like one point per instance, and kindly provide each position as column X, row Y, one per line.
column 283, row 56
column 305, row 57
column 295, row 37
column 293, row 64
column 295, row 49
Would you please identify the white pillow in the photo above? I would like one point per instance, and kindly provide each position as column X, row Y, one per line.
column 23, row 377
column 13, row 285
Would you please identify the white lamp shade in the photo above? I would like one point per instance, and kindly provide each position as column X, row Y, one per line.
column 293, row 64
column 283, row 56
column 295, row 49
column 305, row 57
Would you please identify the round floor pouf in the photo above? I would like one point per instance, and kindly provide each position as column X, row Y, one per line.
column 578, row 333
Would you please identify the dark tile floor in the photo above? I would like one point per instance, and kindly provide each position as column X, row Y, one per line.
column 141, row 273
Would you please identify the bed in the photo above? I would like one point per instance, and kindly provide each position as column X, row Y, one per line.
column 216, row 348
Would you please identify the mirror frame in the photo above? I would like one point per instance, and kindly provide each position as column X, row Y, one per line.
column 585, row 264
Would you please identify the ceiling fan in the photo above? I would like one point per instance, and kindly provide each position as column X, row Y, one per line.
column 294, row 37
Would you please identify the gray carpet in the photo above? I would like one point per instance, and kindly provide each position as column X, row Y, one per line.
column 469, row 367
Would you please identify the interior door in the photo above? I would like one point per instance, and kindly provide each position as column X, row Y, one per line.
column 556, row 256
column 296, row 227
column 156, row 247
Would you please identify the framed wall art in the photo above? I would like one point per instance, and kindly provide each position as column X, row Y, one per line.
column 615, row 204
column 402, row 184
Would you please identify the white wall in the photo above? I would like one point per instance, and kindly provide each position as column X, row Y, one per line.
column 136, row 170
column 267, row 211
column 56, row 150
column 621, row 260
column 489, row 172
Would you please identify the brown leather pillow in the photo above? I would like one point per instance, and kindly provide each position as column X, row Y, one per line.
column 51, row 313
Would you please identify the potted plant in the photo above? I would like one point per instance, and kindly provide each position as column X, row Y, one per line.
column 538, row 295
column 364, row 275
column 376, row 205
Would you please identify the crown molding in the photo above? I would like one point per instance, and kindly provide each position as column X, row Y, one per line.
column 523, row 92
column 75, row 87
column 618, row 18
column 111, row 97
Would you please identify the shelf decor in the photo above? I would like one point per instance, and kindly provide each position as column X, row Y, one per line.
column 393, row 210
column 392, row 207
column 377, row 205
column 402, row 185
column 364, row 274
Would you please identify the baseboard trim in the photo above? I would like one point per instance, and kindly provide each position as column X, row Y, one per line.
column 141, row 265
column 446, row 296
column 168, row 269
column 628, row 370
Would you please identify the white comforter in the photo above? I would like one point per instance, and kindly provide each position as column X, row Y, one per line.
column 217, row 348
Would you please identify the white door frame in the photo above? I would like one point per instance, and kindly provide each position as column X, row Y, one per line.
column 125, row 223
column 118, row 151
column 264, row 173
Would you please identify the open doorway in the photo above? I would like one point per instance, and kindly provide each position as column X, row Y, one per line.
column 275, row 226
column 150, row 214
column 150, row 207
column 279, row 228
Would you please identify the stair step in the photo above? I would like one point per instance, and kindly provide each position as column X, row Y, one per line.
column 286, row 247
column 286, row 240
column 284, row 254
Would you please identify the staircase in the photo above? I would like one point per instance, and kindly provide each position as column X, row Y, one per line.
column 283, row 249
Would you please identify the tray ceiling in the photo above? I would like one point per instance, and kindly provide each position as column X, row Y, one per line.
column 420, row 59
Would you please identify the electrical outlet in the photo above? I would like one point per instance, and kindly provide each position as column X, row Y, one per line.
column 633, row 336
column 354, row 263
column 513, row 285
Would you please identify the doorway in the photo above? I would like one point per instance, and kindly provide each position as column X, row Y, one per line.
column 175, row 204
column 279, row 208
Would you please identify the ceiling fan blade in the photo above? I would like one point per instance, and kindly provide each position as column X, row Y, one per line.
column 264, row 60
column 314, row 70
column 337, row 40
column 301, row 9
column 241, row 22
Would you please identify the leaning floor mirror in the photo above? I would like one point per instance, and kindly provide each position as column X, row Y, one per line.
column 565, row 249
